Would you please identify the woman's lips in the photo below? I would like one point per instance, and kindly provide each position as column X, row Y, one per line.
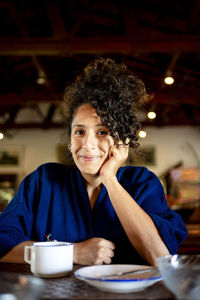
column 89, row 157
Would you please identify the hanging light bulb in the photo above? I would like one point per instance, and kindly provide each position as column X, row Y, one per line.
column 1, row 136
column 168, row 80
column 41, row 78
column 142, row 134
column 151, row 115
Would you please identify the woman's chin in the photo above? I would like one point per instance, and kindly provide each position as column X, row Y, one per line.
column 92, row 171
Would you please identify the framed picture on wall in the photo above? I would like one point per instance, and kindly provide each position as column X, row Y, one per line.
column 11, row 172
column 8, row 186
column 11, row 157
column 145, row 157
column 64, row 155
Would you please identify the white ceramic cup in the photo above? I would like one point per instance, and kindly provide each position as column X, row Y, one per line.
column 49, row 259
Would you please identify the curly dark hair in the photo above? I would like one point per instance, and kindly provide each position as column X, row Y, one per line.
column 114, row 92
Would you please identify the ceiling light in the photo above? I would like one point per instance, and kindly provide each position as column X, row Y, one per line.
column 151, row 115
column 41, row 80
column 142, row 134
column 169, row 80
column 1, row 136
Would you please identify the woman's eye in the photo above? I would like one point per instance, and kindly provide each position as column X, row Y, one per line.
column 79, row 132
column 102, row 132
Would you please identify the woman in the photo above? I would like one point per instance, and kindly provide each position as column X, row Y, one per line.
column 111, row 213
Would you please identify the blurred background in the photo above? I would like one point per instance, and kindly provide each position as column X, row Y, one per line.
column 45, row 44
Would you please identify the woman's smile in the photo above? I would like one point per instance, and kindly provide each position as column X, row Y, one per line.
column 89, row 158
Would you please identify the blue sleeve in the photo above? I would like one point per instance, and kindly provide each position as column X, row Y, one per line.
column 17, row 218
column 169, row 224
column 147, row 191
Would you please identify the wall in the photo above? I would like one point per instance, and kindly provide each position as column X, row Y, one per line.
column 172, row 144
column 35, row 146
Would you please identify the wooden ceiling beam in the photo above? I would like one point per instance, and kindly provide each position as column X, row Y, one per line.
column 31, row 125
column 12, row 114
column 51, row 112
column 11, row 99
column 40, row 125
column 17, row 19
column 98, row 45
column 56, row 20
column 174, row 122
column 193, row 21
column 130, row 20
column 177, row 96
column 173, row 97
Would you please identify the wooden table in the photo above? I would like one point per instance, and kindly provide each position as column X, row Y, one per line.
column 70, row 287
column 192, row 243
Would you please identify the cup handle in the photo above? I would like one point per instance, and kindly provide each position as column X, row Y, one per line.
column 27, row 254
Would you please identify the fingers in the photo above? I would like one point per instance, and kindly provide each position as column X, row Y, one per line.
column 122, row 146
column 120, row 151
column 93, row 251
column 115, row 160
column 125, row 144
column 116, row 153
column 104, row 256
column 104, row 252
column 105, row 243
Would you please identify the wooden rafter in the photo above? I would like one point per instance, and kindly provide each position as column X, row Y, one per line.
column 52, row 46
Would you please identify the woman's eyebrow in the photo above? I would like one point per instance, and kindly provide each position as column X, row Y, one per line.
column 82, row 125
column 78, row 125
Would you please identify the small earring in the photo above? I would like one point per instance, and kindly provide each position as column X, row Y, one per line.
column 69, row 147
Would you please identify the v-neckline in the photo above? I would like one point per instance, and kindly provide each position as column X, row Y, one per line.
column 100, row 197
column 93, row 194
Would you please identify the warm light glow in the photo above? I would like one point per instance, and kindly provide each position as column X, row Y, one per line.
column 142, row 134
column 41, row 80
column 1, row 136
column 151, row 115
column 169, row 80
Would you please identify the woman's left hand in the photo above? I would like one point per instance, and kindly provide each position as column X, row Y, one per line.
column 116, row 157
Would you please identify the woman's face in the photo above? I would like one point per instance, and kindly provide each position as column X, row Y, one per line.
column 90, row 140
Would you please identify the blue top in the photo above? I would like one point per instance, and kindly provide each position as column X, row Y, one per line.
column 53, row 200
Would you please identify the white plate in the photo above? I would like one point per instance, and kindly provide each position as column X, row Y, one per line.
column 94, row 276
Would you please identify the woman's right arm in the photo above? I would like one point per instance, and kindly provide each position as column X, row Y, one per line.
column 94, row 251
column 16, row 254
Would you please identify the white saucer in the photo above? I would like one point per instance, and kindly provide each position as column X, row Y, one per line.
column 94, row 275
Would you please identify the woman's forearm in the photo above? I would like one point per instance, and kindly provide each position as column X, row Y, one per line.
column 16, row 254
column 137, row 224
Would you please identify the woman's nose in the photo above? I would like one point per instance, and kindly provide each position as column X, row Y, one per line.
column 90, row 141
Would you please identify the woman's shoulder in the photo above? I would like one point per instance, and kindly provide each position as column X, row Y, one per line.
column 51, row 170
column 139, row 179
column 136, row 173
column 135, row 170
column 52, row 166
